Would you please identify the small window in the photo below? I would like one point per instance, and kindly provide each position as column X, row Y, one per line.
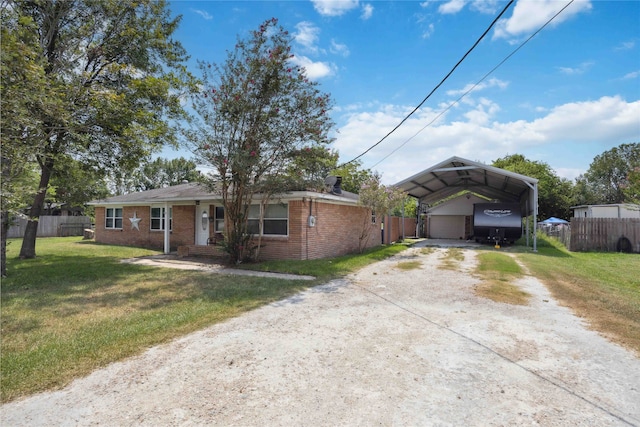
column 157, row 218
column 219, row 219
column 113, row 218
column 275, row 220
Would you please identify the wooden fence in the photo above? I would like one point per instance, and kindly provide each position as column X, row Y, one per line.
column 393, row 229
column 53, row 226
column 605, row 235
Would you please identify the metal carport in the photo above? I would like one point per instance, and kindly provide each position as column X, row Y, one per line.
column 457, row 174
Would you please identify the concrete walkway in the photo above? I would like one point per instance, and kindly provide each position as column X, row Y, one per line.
column 207, row 265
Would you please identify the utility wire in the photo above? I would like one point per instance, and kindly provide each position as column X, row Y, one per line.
column 437, row 86
column 474, row 86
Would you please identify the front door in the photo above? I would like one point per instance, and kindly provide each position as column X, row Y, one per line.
column 202, row 224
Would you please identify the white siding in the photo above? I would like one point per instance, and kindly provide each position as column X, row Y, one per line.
column 607, row 211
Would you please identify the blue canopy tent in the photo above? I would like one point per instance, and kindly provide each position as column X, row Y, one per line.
column 554, row 221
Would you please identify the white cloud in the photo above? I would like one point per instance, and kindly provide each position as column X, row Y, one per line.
column 452, row 6
column 485, row 6
column 632, row 75
column 314, row 70
column 578, row 127
column 203, row 13
column 626, row 45
column 334, row 7
column 580, row 69
column 367, row 11
column 307, row 35
column 529, row 15
column 428, row 32
column 490, row 83
column 570, row 173
column 339, row 48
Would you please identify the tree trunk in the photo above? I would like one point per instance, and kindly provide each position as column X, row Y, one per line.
column 3, row 243
column 28, row 249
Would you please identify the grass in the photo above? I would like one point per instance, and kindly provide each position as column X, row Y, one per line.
column 498, row 271
column 452, row 259
column 76, row 308
column 409, row 265
column 601, row 287
column 327, row 269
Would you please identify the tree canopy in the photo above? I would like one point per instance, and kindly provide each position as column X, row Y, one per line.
column 106, row 77
column 258, row 118
column 614, row 176
column 554, row 193
column 157, row 173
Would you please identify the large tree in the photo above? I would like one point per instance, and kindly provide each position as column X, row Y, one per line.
column 157, row 173
column 612, row 177
column 23, row 88
column 257, row 112
column 353, row 175
column 111, row 76
column 554, row 193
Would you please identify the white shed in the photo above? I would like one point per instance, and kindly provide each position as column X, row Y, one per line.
column 607, row 211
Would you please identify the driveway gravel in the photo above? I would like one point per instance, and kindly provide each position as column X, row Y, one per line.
column 384, row 346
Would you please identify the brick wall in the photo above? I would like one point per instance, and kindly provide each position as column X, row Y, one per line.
column 337, row 232
column 183, row 232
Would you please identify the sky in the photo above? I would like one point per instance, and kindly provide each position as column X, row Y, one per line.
column 563, row 97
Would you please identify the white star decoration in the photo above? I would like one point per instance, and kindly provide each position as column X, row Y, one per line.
column 135, row 221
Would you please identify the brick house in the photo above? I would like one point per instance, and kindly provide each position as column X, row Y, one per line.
column 296, row 225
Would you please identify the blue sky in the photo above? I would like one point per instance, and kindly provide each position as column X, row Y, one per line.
column 569, row 94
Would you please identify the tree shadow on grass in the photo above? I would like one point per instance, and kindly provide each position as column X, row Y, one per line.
column 65, row 286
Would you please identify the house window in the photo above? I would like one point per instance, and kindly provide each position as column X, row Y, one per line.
column 373, row 217
column 157, row 218
column 113, row 218
column 219, row 219
column 275, row 223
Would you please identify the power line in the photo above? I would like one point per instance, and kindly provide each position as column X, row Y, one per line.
column 437, row 86
column 474, row 86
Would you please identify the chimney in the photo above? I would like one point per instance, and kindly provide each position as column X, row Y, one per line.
column 336, row 187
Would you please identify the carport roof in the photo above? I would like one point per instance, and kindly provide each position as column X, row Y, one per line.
column 456, row 174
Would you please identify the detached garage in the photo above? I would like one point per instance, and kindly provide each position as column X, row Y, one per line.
column 451, row 219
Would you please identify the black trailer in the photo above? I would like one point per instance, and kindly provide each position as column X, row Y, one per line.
column 497, row 222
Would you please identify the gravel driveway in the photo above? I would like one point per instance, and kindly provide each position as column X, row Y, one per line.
column 383, row 347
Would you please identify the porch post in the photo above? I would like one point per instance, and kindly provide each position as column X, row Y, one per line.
column 167, row 232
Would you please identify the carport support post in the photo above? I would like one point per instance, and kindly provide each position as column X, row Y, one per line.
column 535, row 214
column 526, row 205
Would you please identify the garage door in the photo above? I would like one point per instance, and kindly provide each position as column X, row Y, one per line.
column 446, row 227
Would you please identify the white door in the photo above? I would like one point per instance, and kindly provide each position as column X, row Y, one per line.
column 202, row 224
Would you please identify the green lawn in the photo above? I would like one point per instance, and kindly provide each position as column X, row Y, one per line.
column 602, row 287
column 76, row 307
